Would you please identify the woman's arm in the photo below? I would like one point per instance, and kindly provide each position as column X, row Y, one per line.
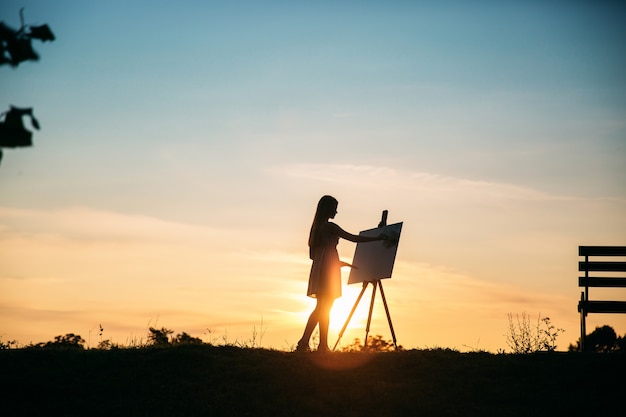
column 353, row 238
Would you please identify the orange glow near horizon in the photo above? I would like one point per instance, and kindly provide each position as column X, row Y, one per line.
column 193, row 277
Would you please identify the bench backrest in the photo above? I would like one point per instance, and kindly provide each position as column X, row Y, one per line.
column 591, row 266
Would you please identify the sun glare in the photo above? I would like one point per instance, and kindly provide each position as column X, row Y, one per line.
column 343, row 305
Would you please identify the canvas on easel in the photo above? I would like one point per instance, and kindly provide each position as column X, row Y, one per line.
column 374, row 260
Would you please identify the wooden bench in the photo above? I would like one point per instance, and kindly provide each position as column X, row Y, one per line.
column 604, row 260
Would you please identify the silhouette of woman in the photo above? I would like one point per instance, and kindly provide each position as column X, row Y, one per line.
column 325, row 276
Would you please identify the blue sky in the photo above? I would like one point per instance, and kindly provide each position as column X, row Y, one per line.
column 495, row 131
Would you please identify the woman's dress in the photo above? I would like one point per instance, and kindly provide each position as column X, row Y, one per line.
column 325, row 276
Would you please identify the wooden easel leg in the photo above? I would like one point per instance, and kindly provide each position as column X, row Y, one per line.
column 369, row 316
column 393, row 334
column 343, row 329
column 375, row 284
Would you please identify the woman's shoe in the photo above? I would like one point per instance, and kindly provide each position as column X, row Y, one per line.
column 303, row 347
column 323, row 350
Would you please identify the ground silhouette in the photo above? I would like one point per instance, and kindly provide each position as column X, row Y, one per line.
column 206, row 380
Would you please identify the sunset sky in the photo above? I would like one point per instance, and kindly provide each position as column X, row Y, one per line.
column 184, row 146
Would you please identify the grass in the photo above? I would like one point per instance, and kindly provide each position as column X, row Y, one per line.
column 205, row 380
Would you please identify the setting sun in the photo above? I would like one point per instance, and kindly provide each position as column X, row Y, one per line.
column 357, row 325
column 342, row 307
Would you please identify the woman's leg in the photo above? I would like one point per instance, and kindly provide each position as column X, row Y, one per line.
column 320, row 315
column 303, row 343
column 325, row 305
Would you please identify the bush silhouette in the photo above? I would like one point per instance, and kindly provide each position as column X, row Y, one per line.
column 374, row 344
column 602, row 339
column 158, row 337
column 184, row 338
column 69, row 341
column 161, row 337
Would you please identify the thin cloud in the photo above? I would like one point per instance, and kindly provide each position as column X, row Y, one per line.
column 89, row 223
column 372, row 177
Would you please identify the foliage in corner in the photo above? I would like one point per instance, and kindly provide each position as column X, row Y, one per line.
column 15, row 48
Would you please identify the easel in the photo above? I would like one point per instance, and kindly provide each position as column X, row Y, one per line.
column 377, row 284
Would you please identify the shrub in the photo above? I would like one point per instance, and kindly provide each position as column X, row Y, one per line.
column 158, row 337
column 523, row 337
column 602, row 339
column 9, row 344
column 374, row 344
column 184, row 338
column 161, row 337
column 69, row 341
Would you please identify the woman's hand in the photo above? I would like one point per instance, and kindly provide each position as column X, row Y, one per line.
column 391, row 240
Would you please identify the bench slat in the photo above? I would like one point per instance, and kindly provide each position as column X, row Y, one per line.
column 602, row 250
column 602, row 306
column 615, row 266
column 602, row 282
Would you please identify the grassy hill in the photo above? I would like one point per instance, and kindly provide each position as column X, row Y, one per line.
column 205, row 380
